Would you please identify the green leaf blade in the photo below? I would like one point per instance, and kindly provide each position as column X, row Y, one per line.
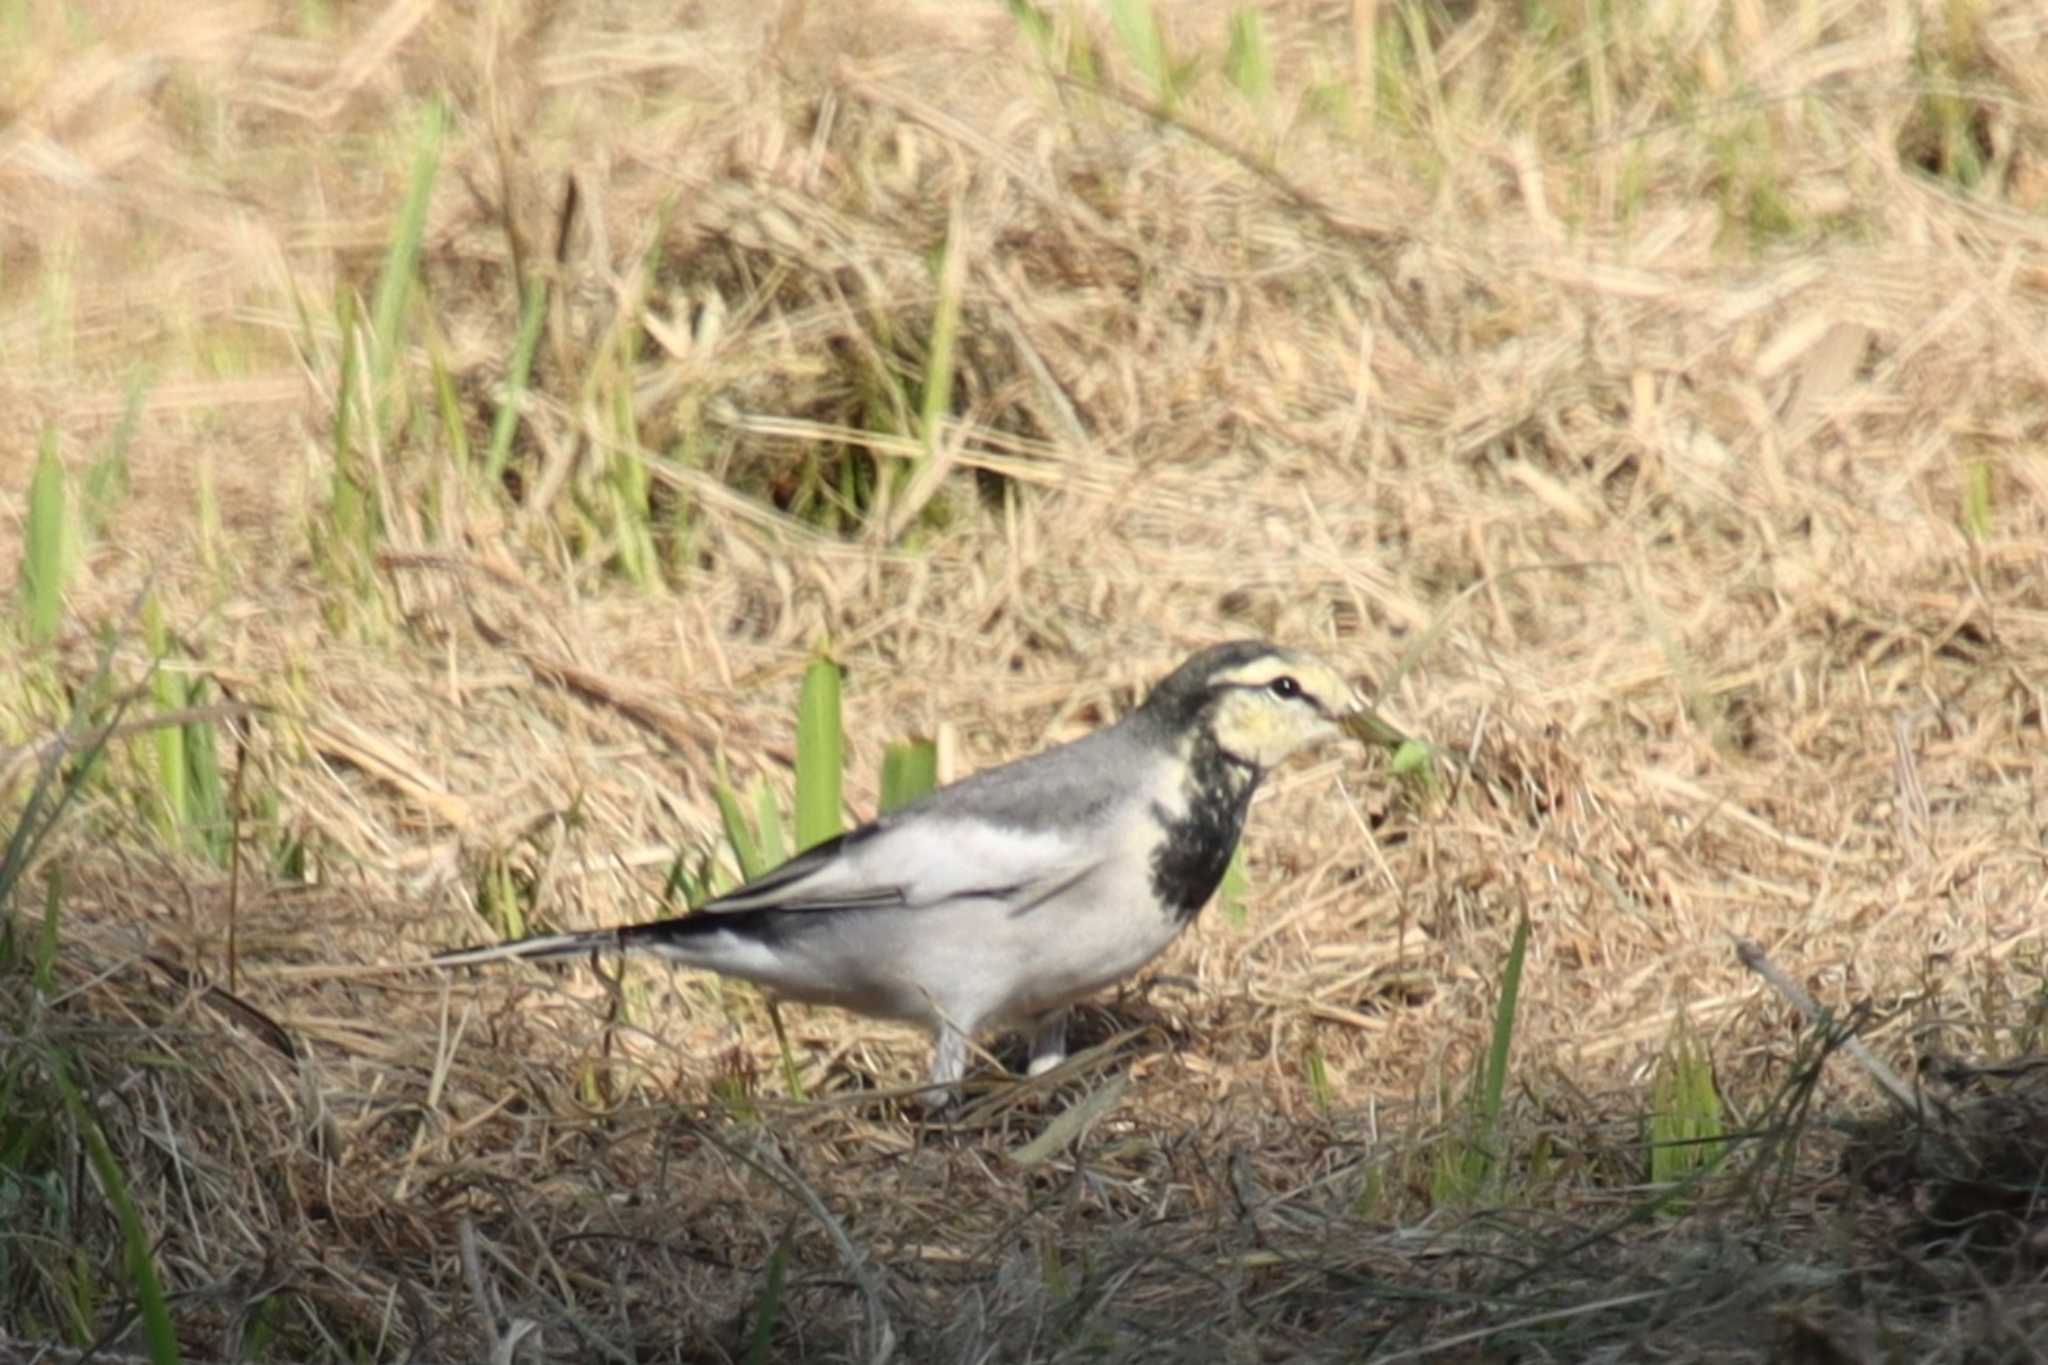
column 746, row 849
column 910, row 771
column 44, row 550
column 820, row 755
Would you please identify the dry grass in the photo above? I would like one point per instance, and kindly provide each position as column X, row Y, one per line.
column 1657, row 403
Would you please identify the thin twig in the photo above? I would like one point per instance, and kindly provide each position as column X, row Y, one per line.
column 1751, row 954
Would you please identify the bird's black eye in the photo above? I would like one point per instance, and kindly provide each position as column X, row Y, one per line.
column 1284, row 687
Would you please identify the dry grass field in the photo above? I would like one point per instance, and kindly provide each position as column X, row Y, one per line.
column 435, row 439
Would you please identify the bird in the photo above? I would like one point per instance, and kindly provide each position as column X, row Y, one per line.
column 1003, row 898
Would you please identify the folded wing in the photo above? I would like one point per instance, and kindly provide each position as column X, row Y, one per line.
column 921, row 863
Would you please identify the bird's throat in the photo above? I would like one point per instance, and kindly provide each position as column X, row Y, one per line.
column 1202, row 835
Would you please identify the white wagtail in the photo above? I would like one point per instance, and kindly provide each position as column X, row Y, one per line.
column 1008, row 895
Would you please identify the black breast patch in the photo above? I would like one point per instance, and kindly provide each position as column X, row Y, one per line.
column 1187, row 866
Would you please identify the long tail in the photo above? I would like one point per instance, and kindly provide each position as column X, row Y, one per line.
column 660, row 935
column 541, row 945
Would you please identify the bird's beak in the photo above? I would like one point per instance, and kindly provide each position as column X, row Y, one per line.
column 1412, row 760
column 1368, row 727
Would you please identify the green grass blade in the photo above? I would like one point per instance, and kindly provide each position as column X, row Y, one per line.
column 149, row 1289
column 820, row 755
column 760, row 1339
column 937, row 399
column 1686, row 1127
column 1504, row 1026
column 1977, row 499
column 454, row 429
column 45, row 548
column 1493, row 1083
column 499, row 899
column 1249, row 62
column 610, row 390
column 401, row 259
column 43, row 958
column 682, row 889
column 206, row 791
column 532, row 314
column 903, row 495
column 792, row 1076
column 174, row 793
column 910, row 770
column 1137, row 27
column 106, row 482
column 768, row 827
column 1321, row 1093
column 40, row 814
column 1035, row 23
column 746, row 849
column 342, row 542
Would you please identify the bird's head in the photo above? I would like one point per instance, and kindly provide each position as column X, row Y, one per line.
column 1259, row 702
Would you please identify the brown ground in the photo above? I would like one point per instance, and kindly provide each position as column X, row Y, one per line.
column 1653, row 410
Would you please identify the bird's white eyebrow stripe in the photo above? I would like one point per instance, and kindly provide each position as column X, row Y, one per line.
column 1257, row 673
column 1261, row 674
column 1264, row 672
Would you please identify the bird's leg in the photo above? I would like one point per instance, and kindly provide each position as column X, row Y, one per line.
column 949, row 1064
column 1048, row 1042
